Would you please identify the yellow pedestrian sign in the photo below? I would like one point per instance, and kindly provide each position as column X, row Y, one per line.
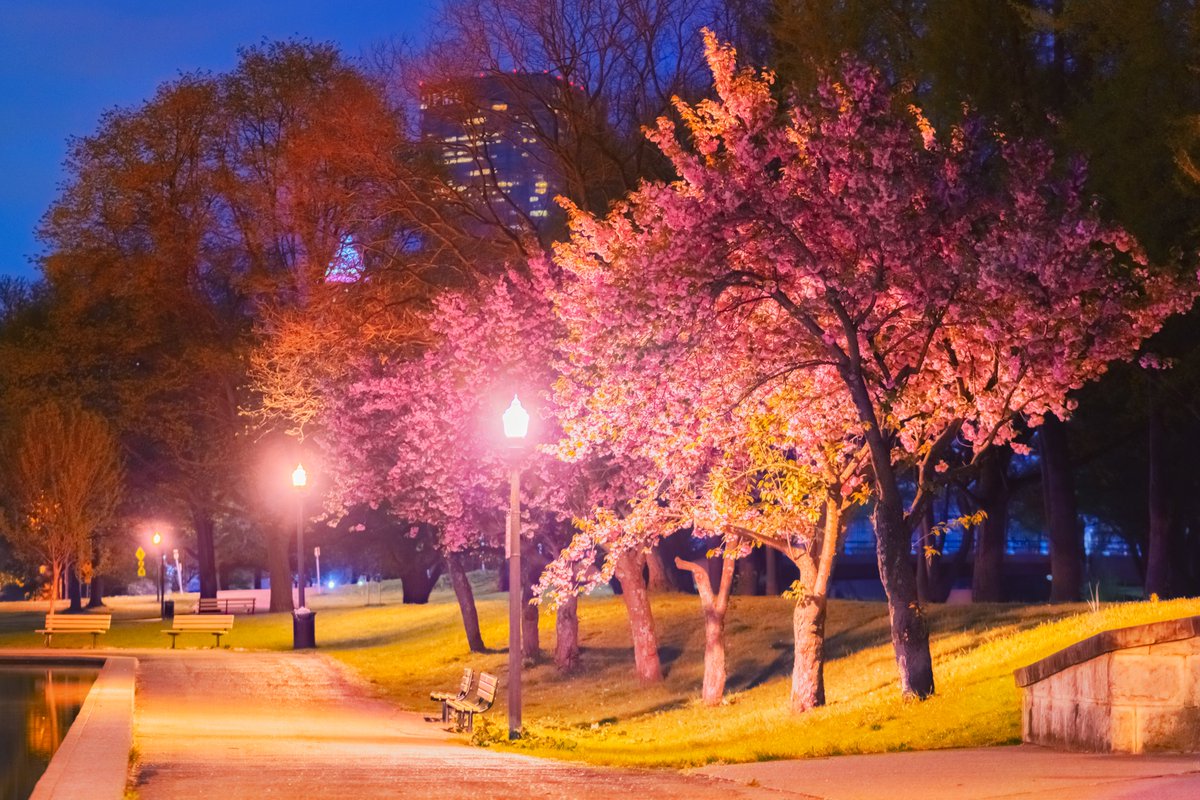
column 141, row 557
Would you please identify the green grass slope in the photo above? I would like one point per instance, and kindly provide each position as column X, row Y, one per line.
column 602, row 715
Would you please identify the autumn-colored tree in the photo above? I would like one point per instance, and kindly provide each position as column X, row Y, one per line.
column 187, row 227
column 62, row 487
column 939, row 288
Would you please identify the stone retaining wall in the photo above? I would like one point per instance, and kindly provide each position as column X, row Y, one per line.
column 1131, row 690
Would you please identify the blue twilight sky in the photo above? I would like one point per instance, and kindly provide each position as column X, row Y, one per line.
column 63, row 62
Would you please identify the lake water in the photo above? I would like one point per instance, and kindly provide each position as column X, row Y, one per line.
column 37, row 706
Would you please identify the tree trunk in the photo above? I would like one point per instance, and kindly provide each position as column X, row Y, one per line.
column 566, row 635
column 747, row 574
column 55, row 575
column 893, row 550
column 1062, row 520
column 987, row 582
column 658, row 579
column 910, row 636
column 714, row 608
column 531, row 643
column 641, row 618
column 74, row 592
column 417, row 583
column 808, row 666
column 96, row 592
column 280, row 567
column 772, row 570
column 466, row 602
column 1161, row 523
column 929, row 557
column 206, row 554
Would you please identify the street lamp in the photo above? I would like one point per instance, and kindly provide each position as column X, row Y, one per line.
column 162, row 597
column 516, row 426
column 303, row 622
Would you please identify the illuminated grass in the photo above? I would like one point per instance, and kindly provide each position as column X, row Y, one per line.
column 602, row 715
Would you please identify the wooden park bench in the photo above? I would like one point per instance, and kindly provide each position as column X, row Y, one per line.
column 95, row 624
column 465, row 710
column 225, row 605
column 464, row 689
column 216, row 624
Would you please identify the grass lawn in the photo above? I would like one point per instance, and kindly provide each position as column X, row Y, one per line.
column 602, row 715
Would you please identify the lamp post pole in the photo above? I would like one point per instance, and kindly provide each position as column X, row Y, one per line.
column 317, row 556
column 516, row 426
column 303, row 620
column 300, row 546
column 513, row 546
column 162, row 598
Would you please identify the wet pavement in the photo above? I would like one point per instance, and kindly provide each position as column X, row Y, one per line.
column 228, row 726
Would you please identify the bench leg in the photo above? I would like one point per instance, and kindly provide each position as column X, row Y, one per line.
column 218, row 639
column 173, row 637
column 95, row 637
column 47, row 638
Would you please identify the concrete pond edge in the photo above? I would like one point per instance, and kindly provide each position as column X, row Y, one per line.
column 93, row 759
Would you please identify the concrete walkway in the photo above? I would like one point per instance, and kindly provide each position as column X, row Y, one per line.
column 260, row 725
column 994, row 773
column 215, row 724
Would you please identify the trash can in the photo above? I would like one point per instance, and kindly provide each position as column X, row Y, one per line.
column 168, row 609
column 304, row 629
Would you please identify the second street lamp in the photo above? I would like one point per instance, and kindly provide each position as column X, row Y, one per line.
column 303, row 621
column 162, row 597
column 516, row 426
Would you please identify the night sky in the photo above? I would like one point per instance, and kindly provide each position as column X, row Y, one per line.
column 63, row 62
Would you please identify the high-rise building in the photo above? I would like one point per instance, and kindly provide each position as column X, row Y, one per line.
column 491, row 134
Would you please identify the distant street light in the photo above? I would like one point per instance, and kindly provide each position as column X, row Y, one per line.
column 317, row 556
column 516, row 426
column 162, row 596
column 303, row 622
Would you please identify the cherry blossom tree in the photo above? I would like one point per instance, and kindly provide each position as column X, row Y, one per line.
column 911, row 290
column 423, row 435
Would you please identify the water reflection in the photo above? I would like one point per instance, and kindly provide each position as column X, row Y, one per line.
column 37, row 706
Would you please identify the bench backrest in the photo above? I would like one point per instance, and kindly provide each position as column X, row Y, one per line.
column 82, row 622
column 464, row 686
column 487, row 688
column 208, row 604
column 202, row 622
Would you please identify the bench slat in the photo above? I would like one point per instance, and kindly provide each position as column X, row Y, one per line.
column 203, row 622
column 101, row 622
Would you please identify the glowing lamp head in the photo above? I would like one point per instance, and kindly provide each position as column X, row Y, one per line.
column 299, row 477
column 156, row 538
column 516, row 420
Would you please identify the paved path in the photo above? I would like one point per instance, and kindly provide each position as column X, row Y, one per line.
column 228, row 726
column 994, row 773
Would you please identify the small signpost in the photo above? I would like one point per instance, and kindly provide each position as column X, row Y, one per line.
column 317, row 556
